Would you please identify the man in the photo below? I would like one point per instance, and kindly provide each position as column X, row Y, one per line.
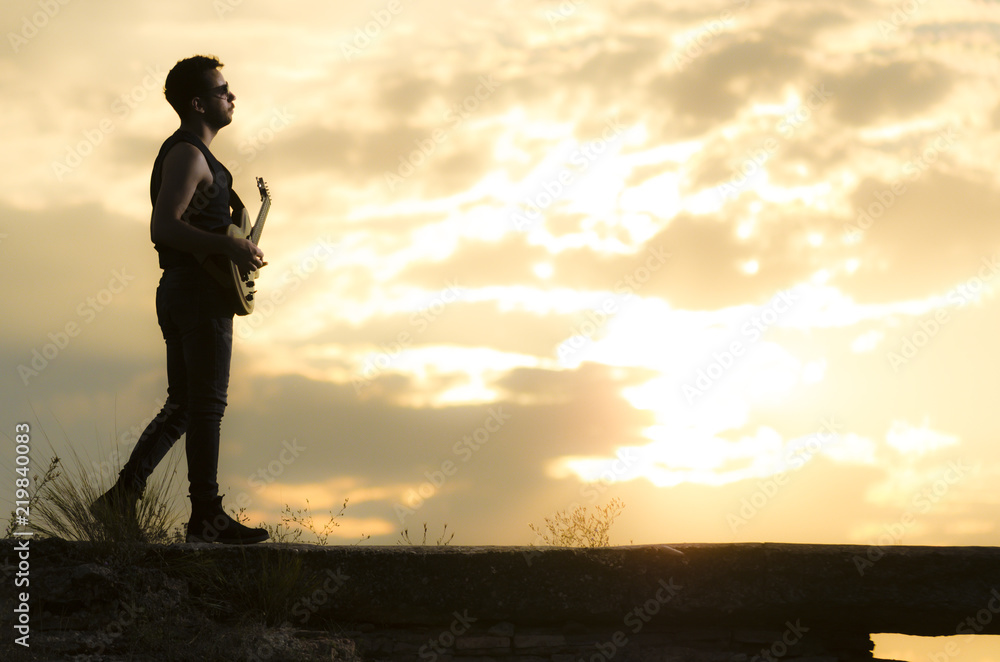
column 190, row 191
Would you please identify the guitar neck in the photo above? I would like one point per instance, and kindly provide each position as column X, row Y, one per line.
column 258, row 227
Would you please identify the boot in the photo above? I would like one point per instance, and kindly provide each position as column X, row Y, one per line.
column 210, row 523
column 117, row 503
column 115, row 513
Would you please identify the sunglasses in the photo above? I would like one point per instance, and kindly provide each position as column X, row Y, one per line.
column 222, row 91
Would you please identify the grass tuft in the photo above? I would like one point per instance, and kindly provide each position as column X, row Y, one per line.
column 580, row 528
column 60, row 500
column 62, row 509
column 443, row 539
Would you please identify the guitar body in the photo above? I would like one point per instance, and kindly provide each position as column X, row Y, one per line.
column 241, row 286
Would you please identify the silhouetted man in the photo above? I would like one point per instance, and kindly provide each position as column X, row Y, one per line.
column 190, row 192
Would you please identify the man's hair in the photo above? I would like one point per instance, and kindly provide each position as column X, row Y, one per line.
column 187, row 80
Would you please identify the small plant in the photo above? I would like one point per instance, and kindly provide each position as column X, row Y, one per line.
column 296, row 522
column 443, row 539
column 60, row 508
column 40, row 483
column 580, row 528
column 60, row 504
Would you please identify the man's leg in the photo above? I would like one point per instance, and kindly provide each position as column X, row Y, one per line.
column 207, row 335
column 161, row 433
column 208, row 347
column 172, row 421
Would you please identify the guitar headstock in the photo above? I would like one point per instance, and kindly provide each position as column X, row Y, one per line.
column 265, row 194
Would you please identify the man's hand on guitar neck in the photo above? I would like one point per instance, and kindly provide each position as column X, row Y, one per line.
column 246, row 255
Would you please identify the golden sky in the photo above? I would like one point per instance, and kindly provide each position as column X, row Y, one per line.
column 732, row 262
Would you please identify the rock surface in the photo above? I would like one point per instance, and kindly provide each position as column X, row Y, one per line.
column 701, row 601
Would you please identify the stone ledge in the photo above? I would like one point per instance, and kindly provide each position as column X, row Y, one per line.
column 763, row 586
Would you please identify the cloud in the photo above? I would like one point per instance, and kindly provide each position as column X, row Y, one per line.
column 74, row 264
column 894, row 90
column 714, row 86
column 930, row 229
column 697, row 98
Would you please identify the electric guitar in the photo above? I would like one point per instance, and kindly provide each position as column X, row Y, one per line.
column 222, row 269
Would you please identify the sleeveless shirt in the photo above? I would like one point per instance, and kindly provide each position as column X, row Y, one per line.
column 209, row 208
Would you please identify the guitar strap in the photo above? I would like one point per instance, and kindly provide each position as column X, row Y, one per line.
column 237, row 207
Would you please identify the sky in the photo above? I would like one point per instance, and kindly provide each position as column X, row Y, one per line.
column 733, row 263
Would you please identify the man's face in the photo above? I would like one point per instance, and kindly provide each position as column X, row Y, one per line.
column 217, row 100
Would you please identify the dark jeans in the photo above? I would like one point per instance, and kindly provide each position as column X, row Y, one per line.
column 196, row 317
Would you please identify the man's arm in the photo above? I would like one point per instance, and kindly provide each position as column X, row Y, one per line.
column 184, row 172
